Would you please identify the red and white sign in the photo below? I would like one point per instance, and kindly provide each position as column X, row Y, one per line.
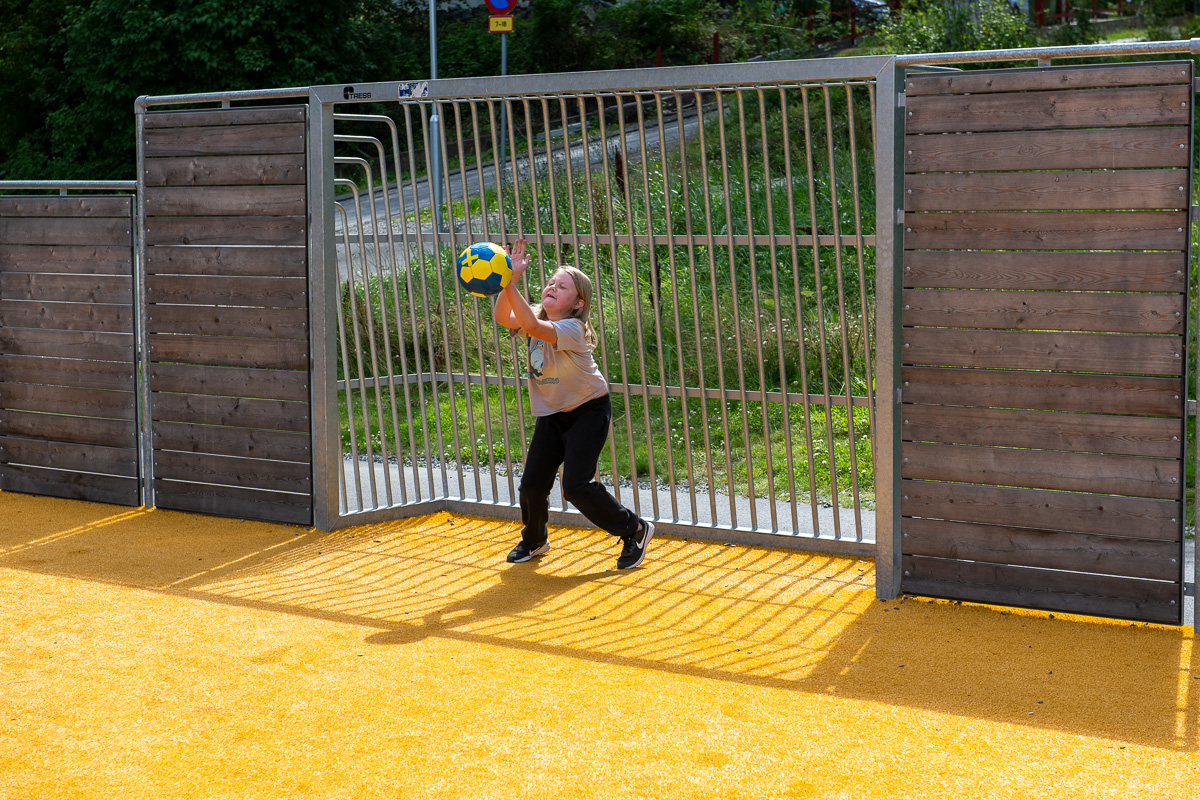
column 501, row 6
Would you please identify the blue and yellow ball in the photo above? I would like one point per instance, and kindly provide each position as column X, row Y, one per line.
column 484, row 269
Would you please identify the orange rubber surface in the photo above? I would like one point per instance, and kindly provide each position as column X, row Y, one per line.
column 153, row 654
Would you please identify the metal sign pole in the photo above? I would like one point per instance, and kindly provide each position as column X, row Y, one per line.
column 502, row 152
column 435, row 161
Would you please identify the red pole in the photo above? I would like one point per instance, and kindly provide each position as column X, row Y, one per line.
column 658, row 56
column 716, row 48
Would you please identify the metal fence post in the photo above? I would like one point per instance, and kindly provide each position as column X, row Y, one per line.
column 889, row 185
column 323, row 308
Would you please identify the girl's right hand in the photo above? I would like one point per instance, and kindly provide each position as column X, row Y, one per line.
column 518, row 254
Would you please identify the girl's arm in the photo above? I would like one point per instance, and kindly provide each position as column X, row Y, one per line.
column 513, row 310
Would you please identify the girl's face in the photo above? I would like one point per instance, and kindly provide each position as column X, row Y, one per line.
column 560, row 297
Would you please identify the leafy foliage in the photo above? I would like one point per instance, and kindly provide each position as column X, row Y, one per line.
column 932, row 26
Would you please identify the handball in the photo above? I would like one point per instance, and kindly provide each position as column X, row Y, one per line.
column 484, row 269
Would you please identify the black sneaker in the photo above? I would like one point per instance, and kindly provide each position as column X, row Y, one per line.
column 523, row 552
column 634, row 551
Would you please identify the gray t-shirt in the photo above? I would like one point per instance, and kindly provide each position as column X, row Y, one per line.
column 564, row 375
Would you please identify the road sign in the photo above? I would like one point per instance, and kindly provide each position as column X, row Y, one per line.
column 502, row 24
column 501, row 6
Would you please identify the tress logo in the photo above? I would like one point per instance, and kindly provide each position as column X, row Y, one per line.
column 349, row 94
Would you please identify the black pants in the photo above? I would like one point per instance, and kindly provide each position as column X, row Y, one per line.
column 574, row 440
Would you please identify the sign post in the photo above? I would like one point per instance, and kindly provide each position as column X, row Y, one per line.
column 501, row 22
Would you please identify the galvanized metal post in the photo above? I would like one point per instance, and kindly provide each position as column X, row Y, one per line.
column 889, row 187
column 140, row 313
column 323, row 309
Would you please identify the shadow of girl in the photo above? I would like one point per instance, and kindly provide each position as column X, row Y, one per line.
column 518, row 591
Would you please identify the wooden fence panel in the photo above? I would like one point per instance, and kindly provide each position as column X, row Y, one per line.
column 1044, row 313
column 227, row 308
column 67, row 393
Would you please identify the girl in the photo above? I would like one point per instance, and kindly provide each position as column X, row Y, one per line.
column 569, row 397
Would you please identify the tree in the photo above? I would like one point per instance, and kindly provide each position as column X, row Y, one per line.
column 77, row 67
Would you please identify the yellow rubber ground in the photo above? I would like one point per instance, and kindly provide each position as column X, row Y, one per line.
column 162, row 655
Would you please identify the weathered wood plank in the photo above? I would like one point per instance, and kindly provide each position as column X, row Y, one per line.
column 1046, row 191
column 272, row 262
column 66, row 316
column 229, row 501
column 1050, row 391
column 1047, row 311
column 1098, row 514
column 227, row 290
column 240, row 442
column 69, row 231
column 227, row 352
column 1102, row 272
column 80, row 457
column 1040, row 78
column 93, row 345
column 103, row 289
column 249, row 473
column 1050, row 110
column 1077, row 352
column 997, row 544
column 105, row 260
column 1071, row 230
column 1125, row 148
column 69, row 206
column 282, row 231
column 73, row 401
column 1158, row 478
column 1098, row 595
column 1150, row 437
column 285, row 137
column 261, row 323
column 250, row 115
column 67, row 372
column 75, row 430
column 270, row 384
column 226, row 201
column 239, row 412
column 277, row 169
column 113, row 489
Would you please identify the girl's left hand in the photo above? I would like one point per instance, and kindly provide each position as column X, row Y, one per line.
column 518, row 254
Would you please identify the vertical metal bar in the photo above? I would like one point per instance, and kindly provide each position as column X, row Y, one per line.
column 820, row 303
column 798, row 296
column 860, row 247
column 145, row 440
column 694, row 289
column 737, row 317
column 345, row 353
column 718, row 330
column 669, row 229
column 888, row 200
column 1189, row 354
column 519, row 354
column 323, row 310
column 637, row 297
column 555, row 227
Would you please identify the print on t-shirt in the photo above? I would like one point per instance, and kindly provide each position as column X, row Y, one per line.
column 537, row 361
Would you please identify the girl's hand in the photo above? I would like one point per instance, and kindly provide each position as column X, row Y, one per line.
column 519, row 256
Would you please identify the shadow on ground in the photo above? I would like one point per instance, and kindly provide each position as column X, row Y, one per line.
column 770, row 618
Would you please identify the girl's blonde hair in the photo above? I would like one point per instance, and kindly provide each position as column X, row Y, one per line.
column 583, row 285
